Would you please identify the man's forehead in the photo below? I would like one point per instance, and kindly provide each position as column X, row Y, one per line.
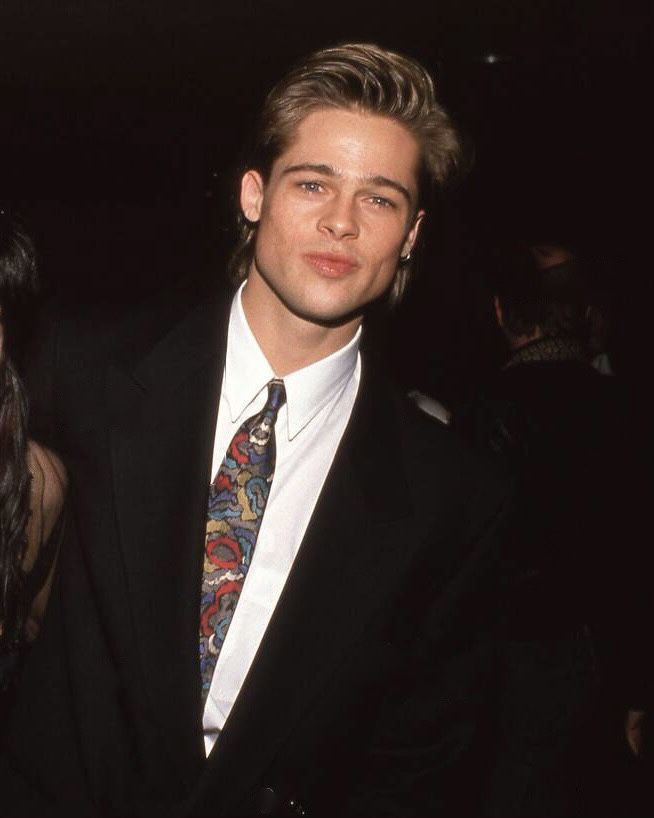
column 376, row 125
column 340, row 139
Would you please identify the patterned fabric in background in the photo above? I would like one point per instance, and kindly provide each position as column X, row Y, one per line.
column 549, row 348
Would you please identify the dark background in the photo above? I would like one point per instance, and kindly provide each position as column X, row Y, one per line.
column 122, row 125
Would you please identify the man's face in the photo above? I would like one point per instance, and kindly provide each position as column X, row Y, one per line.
column 338, row 210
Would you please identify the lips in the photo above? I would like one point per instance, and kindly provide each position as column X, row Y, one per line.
column 331, row 264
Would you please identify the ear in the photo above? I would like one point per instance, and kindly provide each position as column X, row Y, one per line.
column 498, row 311
column 412, row 235
column 252, row 195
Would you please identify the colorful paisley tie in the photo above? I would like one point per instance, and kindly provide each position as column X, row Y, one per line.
column 237, row 500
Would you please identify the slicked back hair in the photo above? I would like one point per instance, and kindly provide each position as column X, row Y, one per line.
column 357, row 77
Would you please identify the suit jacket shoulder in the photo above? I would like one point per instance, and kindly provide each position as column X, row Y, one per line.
column 78, row 345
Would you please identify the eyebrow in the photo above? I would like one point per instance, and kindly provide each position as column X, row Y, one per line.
column 328, row 170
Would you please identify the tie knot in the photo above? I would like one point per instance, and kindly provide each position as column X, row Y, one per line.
column 263, row 423
column 276, row 397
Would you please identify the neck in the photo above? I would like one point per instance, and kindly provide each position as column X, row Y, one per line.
column 289, row 341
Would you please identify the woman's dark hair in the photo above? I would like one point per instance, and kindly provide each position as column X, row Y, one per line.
column 18, row 284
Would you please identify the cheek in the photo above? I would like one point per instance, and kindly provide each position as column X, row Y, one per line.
column 283, row 226
column 271, row 239
column 386, row 245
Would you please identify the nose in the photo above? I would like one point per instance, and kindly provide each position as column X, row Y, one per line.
column 338, row 219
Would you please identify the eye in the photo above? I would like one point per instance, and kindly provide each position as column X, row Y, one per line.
column 381, row 202
column 311, row 187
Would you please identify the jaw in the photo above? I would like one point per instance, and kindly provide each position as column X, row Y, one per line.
column 291, row 333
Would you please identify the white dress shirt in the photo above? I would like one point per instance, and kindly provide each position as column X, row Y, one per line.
column 309, row 427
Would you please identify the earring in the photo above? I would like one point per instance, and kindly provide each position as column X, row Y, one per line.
column 406, row 259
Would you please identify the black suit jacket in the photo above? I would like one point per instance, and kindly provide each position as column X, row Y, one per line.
column 364, row 697
column 575, row 442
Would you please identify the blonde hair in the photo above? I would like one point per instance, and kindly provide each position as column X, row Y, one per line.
column 355, row 76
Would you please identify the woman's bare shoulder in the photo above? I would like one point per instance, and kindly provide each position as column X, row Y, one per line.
column 47, row 494
column 49, row 484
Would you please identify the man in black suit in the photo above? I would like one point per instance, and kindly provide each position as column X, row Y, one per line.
column 573, row 661
column 346, row 675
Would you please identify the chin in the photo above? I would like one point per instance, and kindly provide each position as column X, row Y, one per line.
column 326, row 303
column 326, row 315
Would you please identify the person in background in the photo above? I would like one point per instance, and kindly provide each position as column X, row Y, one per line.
column 572, row 604
column 598, row 314
column 32, row 478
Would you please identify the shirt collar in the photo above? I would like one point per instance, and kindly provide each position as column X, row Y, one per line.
column 308, row 390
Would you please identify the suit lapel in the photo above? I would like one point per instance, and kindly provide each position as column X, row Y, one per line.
column 340, row 577
column 164, row 416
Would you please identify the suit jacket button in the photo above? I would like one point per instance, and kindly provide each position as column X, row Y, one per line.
column 266, row 801
column 296, row 808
